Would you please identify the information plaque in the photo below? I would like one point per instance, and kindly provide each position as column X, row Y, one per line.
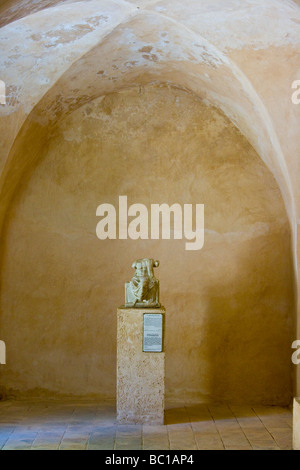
column 153, row 332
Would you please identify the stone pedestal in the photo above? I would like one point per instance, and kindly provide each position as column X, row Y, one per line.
column 296, row 424
column 140, row 375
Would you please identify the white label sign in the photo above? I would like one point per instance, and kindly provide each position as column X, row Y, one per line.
column 153, row 332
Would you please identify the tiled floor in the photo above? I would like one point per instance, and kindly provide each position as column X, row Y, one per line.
column 69, row 425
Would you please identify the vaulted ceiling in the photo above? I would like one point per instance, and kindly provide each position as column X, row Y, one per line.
column 240, row 56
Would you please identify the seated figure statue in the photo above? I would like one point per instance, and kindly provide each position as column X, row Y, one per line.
column 143, row 289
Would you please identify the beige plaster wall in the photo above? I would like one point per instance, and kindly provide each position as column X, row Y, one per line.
column 229, row 306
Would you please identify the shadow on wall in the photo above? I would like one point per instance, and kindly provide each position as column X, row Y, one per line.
column 241, row 344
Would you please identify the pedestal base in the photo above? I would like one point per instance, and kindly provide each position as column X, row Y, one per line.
column 140, row 375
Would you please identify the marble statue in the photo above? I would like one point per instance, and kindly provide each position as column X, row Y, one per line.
column 143, row 289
